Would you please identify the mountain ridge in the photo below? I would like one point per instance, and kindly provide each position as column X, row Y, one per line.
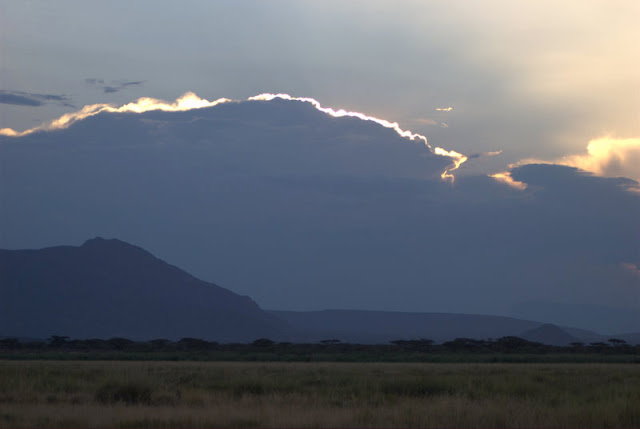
column 110, row 288
column 383, row 326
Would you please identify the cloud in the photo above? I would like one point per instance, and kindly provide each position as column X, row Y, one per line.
column 505, row 177
column 606, row 156
column 191, row 101
column 457, row 158
column 114, row 86
column 145, row 104
column 300, row 208
column 121, row 85
column 444, row 109
column 94, row 81
column 484, row 154
column 427, row 121
column 21, row 98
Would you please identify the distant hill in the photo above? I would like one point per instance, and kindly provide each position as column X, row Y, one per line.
column 549, row 334
column 384, row 326
column 109, row 288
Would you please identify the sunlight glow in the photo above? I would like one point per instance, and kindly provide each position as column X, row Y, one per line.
column 606, row 156
column 457, row 158
column 191, row 101
column 187, row 102
column 505, row 177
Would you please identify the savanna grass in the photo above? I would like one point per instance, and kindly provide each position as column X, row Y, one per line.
column 218, row 394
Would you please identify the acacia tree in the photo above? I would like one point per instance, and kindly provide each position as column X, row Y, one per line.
column 58, row 340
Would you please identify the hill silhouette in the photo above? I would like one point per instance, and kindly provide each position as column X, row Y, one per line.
column 109, row 288
column 303, row 210
column 549, row 334
column 383, row 326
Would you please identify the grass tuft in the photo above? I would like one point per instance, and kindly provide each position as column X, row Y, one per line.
column 128, row 393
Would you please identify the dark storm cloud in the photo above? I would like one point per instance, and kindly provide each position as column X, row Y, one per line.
column 300, row 210
column 21, row 98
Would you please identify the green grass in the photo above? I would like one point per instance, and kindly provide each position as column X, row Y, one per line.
column 245, row 394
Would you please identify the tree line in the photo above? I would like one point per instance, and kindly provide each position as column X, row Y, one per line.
column 508, row 344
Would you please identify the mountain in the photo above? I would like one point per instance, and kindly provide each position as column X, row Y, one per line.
column 302, row 210
column 549, row 334
column 109, row 288
column 383, row 326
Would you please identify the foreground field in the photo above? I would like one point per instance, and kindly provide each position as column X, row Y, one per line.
column 217, row 394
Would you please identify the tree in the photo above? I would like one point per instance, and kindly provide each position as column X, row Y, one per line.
column 118, row 343
column 422, row 344
column 263, row 342
column 598, row 346
column 9, row 343
column 58, row 340
column 194, row 344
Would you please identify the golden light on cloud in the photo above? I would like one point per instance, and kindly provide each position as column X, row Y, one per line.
column 187, row 102
column 457, row 158
column 606, row 156
column 191, row 101
column 444, row 109
column 505, row 177
column 492, row 153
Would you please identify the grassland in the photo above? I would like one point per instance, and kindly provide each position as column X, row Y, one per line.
column 319, row 394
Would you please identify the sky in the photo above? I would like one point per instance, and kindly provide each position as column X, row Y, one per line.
column 533, row 79
column 486, row 149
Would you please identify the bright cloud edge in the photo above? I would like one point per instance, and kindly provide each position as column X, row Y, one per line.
column 190, row 101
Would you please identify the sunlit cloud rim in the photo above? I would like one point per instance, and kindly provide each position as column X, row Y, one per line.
column 505, row 177
column 190, row 101
column 457, row 158
column 605, row 156
column 187, row 101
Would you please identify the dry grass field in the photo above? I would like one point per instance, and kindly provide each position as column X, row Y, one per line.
column 243, row 394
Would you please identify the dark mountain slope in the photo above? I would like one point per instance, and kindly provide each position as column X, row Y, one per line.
column 107, row 288
column 549, row 334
